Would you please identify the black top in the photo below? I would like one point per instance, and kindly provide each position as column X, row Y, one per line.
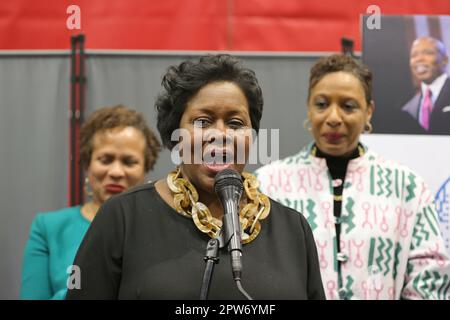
column 337, row 166
column 138, row 247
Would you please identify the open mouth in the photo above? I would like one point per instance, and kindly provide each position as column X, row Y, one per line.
column 217, row 159
column 421, row 68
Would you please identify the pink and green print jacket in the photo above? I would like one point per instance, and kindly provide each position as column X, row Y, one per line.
column 390, row 243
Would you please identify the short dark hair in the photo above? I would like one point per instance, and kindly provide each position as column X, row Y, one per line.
column 116, row 117
column 345, row 63
column 182, row 82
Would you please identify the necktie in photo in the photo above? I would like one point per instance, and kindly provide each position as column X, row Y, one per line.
column 425, row 110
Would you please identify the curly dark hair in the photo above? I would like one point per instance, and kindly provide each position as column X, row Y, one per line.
column 182, row 82
column 345, row 63
column 116, row 117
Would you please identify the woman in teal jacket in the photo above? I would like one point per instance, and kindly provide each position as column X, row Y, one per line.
column 117, row 149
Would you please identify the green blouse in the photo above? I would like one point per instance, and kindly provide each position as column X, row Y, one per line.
column 50, row 250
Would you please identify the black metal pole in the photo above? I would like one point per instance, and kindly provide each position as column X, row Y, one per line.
column 211, row 258
column 73, row 101
column 81, row 108
column 78, row 81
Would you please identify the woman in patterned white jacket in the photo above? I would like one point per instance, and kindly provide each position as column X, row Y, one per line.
column 373, row 220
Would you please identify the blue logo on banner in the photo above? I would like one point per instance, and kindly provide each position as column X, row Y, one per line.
column 443, row 209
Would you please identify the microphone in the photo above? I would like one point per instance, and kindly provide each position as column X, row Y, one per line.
column 228, row 187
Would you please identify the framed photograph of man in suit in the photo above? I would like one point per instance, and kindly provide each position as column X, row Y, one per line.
column 409, row 58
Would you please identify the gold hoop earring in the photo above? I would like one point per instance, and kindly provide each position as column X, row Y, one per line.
column 307, row 124
column 368, row 128
column 87, row 188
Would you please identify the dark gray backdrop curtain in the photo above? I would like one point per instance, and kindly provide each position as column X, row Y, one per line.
column 34, row 103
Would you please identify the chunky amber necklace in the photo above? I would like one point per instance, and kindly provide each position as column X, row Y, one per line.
column 256, row 206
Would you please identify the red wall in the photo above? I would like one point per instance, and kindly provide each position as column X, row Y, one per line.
column 253, row 25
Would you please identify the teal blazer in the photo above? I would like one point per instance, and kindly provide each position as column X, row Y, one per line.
column 50, row 251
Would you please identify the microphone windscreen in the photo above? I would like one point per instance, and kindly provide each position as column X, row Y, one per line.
column 227, row 177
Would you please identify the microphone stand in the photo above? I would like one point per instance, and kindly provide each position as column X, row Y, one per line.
column 211, row 258
column 228, row 187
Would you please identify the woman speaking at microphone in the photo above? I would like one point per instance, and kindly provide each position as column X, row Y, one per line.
column 150, row 242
